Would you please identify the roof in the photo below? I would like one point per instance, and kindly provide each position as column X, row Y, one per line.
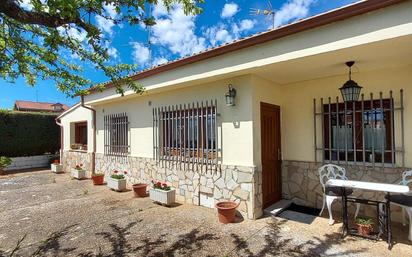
column 21, row 105
column 342, row 13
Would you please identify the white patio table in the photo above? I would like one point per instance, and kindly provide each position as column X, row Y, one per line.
column 385, row 223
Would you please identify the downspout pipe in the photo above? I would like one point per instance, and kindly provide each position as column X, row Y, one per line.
column 58, row 122
column 93, row 161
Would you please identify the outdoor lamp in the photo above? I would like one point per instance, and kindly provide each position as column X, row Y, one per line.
column 230, row 96
column 350, row 90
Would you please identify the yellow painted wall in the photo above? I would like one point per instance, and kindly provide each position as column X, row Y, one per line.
column 235, row 132
column 297, row 108
column 267, row 92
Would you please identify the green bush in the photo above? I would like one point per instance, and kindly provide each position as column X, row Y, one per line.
column 25, row 134
column 4, row 162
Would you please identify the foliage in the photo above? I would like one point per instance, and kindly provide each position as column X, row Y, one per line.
column 364, row 221
column 160, row 185
column 4, row 162
column 117, row 175
column 37, row 42
column 26, row 134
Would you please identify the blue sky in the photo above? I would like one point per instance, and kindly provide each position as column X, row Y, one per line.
column 175, row 35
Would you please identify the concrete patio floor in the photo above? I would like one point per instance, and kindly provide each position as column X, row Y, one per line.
column 52, row 215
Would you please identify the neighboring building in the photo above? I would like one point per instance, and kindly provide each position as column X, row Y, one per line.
column 29, row 106
column 286, row 121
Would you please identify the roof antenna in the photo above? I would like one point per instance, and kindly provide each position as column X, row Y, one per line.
column 37, row 95
column 269, row 12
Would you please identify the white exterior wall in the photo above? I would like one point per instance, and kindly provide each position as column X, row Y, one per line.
column 79, row 114
column 235, row 123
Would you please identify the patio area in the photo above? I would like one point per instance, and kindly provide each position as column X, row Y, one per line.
column 44, row 214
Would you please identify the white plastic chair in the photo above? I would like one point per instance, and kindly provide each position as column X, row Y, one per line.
column 405, row 200
column 331, row 171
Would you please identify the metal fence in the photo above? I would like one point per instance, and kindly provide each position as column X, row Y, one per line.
column 116, row 135
column 362, row 132
column 187, row 135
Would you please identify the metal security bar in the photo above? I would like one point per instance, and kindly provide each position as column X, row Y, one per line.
column 361, row 132
column 116, row 134
column 186, row 136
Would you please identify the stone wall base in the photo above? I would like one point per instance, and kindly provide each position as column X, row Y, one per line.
column 300, row 183
column 198, row 187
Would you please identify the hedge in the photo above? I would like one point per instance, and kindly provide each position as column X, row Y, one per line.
column 26, row 134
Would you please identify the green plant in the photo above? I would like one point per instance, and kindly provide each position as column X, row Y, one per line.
column 160, row 185
column 364, row 221
column 117, row 175
column 18, row 129
column 4, row 162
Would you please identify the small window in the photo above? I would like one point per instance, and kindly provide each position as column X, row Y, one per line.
column 80, row 136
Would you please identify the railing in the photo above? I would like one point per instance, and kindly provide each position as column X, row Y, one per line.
column 362, row 132
column 186, row 136
column 116, row 135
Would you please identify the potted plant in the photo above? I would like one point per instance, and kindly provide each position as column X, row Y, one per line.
column 117, row 181
column 139, row 189
column 98, row 178
column 226, row 211
column 56, row 166
column 364, row 225
column 162, row 193
column 78, row 172
column 4, row 162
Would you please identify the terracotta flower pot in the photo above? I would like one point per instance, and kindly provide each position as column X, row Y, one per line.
column 139, row 190
column 226, row 211
column 364, row 230
column 98, row 179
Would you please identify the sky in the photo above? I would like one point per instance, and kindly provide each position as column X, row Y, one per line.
column 175, row 35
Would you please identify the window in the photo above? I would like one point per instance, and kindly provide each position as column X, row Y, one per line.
column 187, row 133
column 80, row 133
column 116, row 134
column 359, row 132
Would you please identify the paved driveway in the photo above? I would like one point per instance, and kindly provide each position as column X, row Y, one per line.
column 44, row 214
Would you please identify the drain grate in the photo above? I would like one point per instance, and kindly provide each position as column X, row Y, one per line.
column 303, row 209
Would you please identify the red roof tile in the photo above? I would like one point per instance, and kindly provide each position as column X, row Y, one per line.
column 20, row 105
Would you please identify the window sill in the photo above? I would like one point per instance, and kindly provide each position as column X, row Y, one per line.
column 77, row 150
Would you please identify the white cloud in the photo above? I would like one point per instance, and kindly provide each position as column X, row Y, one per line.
column 72, row 32
column 229, row 10
column 293, row 9
column 218, row 34
column 176, row 31
column 113, row 53
column 244, row 25
column 159, row 60
column 140, row 53
column 106, row 25
column 26, row 4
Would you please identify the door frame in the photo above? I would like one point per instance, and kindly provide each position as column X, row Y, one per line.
column 277, row 107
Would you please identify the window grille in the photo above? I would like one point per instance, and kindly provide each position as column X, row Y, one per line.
column 362, row 132
column 116, row 134
column 186, row 135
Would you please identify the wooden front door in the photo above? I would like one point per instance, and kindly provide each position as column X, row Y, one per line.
column 271, row 153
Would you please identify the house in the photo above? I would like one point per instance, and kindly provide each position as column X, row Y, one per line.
column 29, row 106
column 253, row 120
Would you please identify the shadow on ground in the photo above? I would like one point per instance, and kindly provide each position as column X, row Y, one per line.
column 274, row 245
column 188, row 244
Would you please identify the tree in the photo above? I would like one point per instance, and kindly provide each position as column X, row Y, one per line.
column 36, row 35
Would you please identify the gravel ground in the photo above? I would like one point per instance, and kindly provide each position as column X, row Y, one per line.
column 52, row 215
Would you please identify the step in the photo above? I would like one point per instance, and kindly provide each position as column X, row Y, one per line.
column 276, row 208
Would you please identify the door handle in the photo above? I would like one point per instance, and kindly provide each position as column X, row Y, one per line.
column 279, row 154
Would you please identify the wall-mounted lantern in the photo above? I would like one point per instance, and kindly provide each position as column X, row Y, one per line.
column 350, row 90
column 230, row 96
